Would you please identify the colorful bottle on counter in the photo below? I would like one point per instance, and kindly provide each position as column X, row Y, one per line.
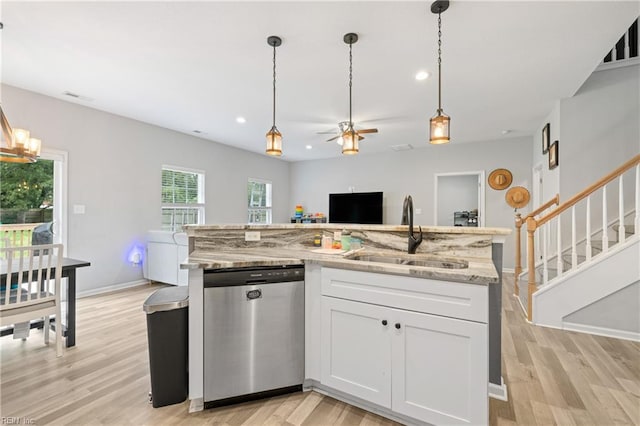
column 298, row 211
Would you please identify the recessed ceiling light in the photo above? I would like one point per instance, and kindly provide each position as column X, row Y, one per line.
column 506, row 131
column 308, row 147
column 241, row 120
column 422, row 75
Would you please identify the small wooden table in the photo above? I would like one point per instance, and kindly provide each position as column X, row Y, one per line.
column 69, row 267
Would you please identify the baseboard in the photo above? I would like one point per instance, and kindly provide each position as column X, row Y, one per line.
column 499, row 392
column 602, row 331
column 509, row 270
column 360, row 403
column 111, row 288
column 196, row 405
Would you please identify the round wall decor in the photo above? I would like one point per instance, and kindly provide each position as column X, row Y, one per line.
column 500, row 179
column 517, row 197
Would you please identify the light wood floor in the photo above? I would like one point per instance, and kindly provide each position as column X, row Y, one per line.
column 553, row 377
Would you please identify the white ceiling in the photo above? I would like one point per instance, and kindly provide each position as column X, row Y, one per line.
column 198, row 65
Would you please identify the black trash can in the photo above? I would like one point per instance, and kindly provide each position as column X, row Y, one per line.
column 168, row 335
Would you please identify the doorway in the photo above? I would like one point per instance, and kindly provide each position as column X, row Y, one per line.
column 536, row 198
column 459, row 199
column 33, row 196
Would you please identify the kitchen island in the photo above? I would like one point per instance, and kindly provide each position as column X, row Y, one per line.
column 413, row 343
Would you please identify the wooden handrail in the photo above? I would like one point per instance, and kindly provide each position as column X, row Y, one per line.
column 519, row 222
column 555, row 200
column 589, row 190
column 533, row 224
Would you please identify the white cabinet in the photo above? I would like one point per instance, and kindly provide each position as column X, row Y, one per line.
column 165, row 251
column 356, row 350
column 439, row 368
column 433, row 368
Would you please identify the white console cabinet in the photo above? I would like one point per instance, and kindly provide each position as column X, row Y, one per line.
column 165, row 251
column 417, row 347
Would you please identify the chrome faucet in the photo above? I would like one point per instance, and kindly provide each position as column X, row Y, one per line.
column 407, row 214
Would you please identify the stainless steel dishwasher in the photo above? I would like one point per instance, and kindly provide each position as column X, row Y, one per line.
column 253, row 332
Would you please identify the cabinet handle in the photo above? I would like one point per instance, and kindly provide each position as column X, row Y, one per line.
column 384, row 322
column 398, row 325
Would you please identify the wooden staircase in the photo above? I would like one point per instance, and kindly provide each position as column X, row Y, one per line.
column 576, row 254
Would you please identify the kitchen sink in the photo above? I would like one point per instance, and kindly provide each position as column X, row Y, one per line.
column 431, row 262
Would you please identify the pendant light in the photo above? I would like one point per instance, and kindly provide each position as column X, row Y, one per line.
column 16, row 145
column 350, row 137
column 439, row 124
column 274, row 138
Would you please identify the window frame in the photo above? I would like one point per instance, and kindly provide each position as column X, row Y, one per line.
column 268, row 208
column 199, row 206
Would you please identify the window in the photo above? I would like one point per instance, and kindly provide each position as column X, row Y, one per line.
column 259, row 201
column 182, row 197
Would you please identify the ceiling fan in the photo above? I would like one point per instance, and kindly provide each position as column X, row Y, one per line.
column 348, row 135
column 342, row 127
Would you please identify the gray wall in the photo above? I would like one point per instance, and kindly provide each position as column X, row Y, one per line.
column 114, row 166
column 412, row 173
column 600, row 128
column 618, row 311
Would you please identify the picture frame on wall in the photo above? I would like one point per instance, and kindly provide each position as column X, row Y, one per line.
column 546, row 132
column 553, row 155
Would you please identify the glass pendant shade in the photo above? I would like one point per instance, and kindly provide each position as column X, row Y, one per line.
column 19, row 138
column 350, row 141
column 274, row 142
column 439, row 129
column 34, row 146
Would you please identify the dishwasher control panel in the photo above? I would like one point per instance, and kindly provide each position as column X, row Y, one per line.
column 254, row 275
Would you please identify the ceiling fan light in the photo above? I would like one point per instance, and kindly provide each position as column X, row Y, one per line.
column 439, row 129
column 274, row 142
column 350, row 142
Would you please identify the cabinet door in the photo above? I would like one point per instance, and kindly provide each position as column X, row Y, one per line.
column 440, row 368
column 356, row 349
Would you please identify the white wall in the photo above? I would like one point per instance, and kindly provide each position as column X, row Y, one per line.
column 550, row 178
column 600, row 127
column 456, row 193
column 412, row 173
column 115, row 170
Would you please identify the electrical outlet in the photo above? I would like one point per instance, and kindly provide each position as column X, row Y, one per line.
column 252, row 236
column 78, row 209
column 418, row 211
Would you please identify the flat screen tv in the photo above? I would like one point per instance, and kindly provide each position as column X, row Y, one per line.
column 356, row 207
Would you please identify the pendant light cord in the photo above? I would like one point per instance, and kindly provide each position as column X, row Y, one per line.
column 350, row 83
column 274, row 85
column 439, row 64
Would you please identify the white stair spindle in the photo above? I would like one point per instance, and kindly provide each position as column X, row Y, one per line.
column 574, row 252
column 588, row 248
column 605, row 237
column 545, row 267
column 621, row 234
column 559, row 248
column 637, row 218
column 627, row 45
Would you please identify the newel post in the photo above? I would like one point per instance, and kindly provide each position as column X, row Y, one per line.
column 518, row 253
column 531, row 265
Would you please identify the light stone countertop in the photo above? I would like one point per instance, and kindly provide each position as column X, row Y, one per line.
column 192, row 230
column 479, row 271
